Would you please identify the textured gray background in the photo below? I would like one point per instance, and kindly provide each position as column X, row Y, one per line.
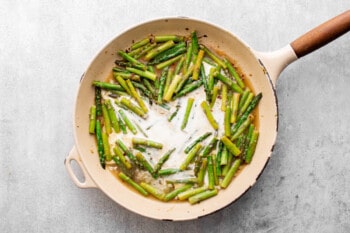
column 46, row 46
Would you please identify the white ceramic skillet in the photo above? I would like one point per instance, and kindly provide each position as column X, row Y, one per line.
column 263, row 70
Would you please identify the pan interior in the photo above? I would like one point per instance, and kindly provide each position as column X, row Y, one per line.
column 216, row 38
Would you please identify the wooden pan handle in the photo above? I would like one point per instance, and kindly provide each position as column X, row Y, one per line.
column 322, row 34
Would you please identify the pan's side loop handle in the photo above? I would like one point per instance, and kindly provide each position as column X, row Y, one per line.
column 74, row 156
column 322, row 35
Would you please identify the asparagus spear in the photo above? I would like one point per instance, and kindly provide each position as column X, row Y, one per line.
column 211, row 146
column 153, row 191
column 122, row 83
column 127, row 121
column 122, row 125
column 134, row 108
column 168, row 62
column 106, row 148
column 106, row 120
column 92, row 121
column 242, row 127
column 224, row 99
column 162, row 160
column 188, row 57
column 174, row 193
column 189, row 88
column 202, row 196
column 174, row 113
column 169, row 94
column 168, row 54
column 143, row 73
column 218, row 159
column 168, row 79
column 168, row 171
column 133, row 183
column 136, row 96
column 146, row 142
column 235, row 102
column 143, row 161
column 252, row 145
column 211, row 178
column 194, row 43
column 214, row 57
column 205, row 83
column 198, row 140
column 133, row 61
column 164, row 38
column 227, row 121
column 98, row 101
column 108, row 86
column 154, row 52
column 211, row 81
column 121, row 157
column 100, row 144
column 140, row 43
column 162, row 85
column 228, row 178
column 126, row 150
column 187, row 112
column 229, row 82
column 234, row 73
column 250, row 108
column 245, row 104
column 193, row 152
column 214, row 95
column 202, row 171
column 209, row 115
column 197, row 65
column 191, row 192
column 230, row 146
column 112, row 116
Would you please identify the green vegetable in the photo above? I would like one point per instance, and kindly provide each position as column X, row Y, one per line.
column 230, row 146
column 209, row 115
column 196, row 141
column 121, row 157
column 92, row 120
column 112, row 116
column 187, row 112
column 146, row 142
column 252, row 145
column 162, row 160
column 143, row 73
column 106, row 120
column 174, row 193
column 132, row 107
column 133, row 183
column 191, row 155
column 100, row 148
column 211, row 176
column 197, row 64
column 153, row 191
column 108, row 86
column 228, row 178
column 145, row 164
column 228, row 82
column 202, row 196
column 154, row 52
column 191, row 192
column 127, row 121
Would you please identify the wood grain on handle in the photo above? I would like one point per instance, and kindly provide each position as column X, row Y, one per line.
column 322, row 34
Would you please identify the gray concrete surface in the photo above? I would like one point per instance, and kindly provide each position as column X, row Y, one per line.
column 45, row 47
